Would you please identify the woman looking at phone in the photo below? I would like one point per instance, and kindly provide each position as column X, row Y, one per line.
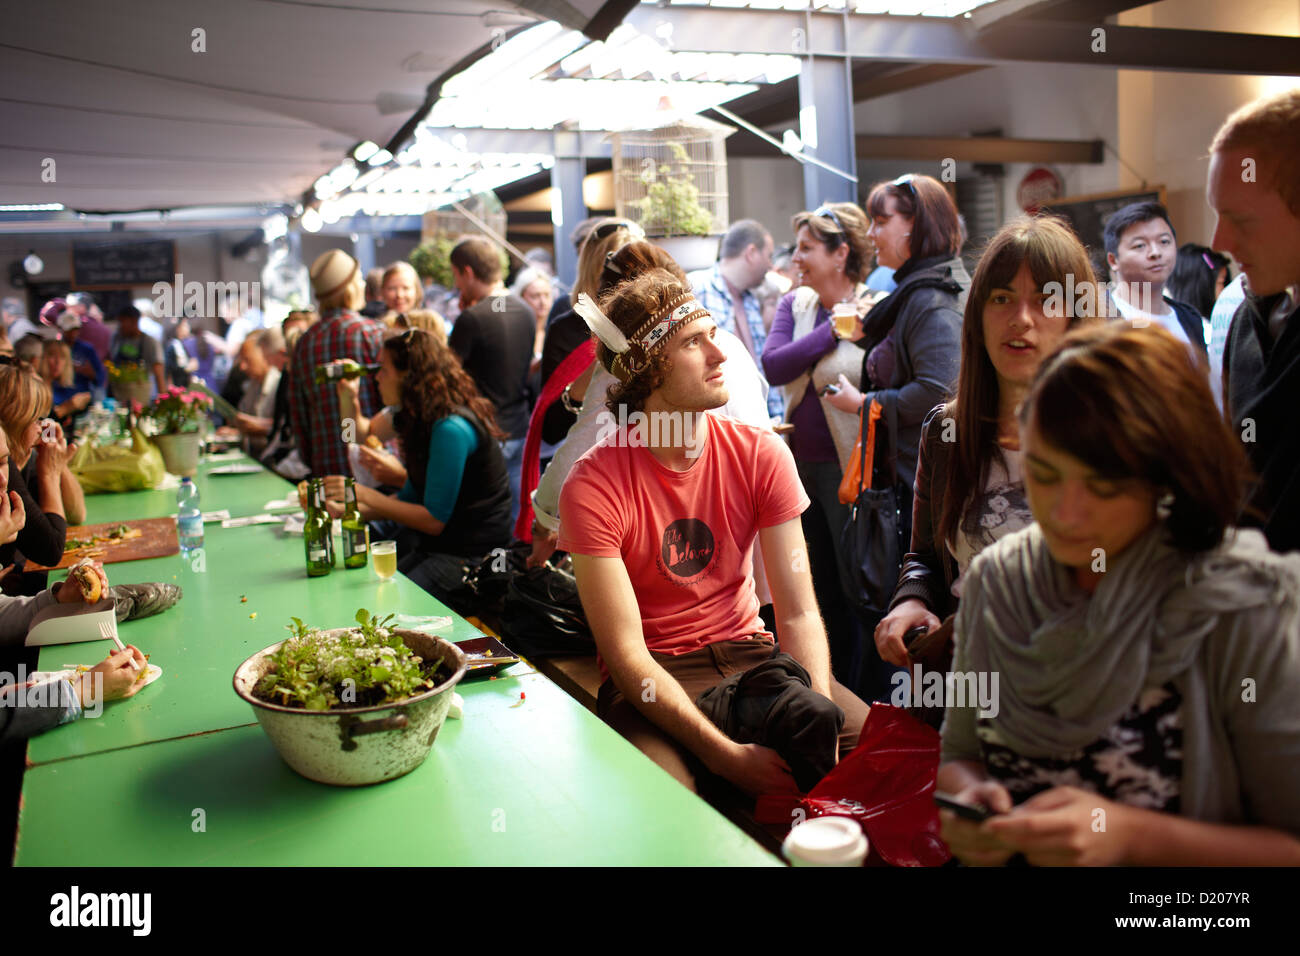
column 969, row 491
column 1148, row 653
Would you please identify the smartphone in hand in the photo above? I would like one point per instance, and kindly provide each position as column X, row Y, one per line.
column 976, row 814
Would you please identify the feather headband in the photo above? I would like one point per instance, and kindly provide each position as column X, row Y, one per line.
column 632, row 357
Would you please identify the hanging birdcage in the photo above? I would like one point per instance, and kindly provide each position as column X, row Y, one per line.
column 672, row 179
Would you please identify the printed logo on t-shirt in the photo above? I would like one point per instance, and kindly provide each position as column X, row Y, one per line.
column 687, row 548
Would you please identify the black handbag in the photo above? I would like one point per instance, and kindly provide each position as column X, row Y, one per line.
column 543, row 615
column 877, row 534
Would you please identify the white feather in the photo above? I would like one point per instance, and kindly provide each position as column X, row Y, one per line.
column 600, row 325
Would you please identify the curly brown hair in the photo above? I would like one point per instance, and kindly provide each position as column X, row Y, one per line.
column 435, row 385
column 629, row 305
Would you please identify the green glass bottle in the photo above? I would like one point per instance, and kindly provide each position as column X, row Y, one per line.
column 356, row 534
column 316, row 532
column 347, row 368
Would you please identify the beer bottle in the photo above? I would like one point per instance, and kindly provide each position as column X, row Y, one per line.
column 347, row 368
column 355, row 532
column 316, row 532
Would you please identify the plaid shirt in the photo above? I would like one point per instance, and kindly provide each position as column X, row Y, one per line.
column 314, row 409
column 711, row 292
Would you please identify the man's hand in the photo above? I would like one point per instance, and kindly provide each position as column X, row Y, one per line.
column 757, row 770
column 121, row 670
column 889, row 632
column 12, row 516
column 978, row 844
column 70, row 593
column 544, row 544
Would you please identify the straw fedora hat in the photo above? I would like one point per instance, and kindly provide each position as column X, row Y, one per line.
column 331, row 272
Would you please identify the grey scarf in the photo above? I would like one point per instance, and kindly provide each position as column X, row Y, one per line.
column 1071, row 664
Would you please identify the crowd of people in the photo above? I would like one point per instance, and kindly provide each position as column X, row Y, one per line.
column 1099, row 486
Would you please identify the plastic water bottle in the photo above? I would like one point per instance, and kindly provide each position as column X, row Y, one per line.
column 189, row 519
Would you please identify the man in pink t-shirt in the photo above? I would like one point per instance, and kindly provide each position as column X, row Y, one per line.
column 660, row 517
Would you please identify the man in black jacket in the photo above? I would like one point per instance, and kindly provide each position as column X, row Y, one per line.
column 1254, row 187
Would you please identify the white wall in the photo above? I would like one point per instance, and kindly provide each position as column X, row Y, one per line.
column 769, row 190
column 1167, row 120
column 1024, row 101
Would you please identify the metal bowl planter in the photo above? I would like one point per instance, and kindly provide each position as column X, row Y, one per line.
column 354, row 746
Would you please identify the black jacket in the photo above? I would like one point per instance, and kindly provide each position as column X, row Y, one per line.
column 929, row 568
column 1262, row 394
column 774, row 705
column 925, row 315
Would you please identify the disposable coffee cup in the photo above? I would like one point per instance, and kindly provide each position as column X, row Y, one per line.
column 845, row 317
column 826, row 841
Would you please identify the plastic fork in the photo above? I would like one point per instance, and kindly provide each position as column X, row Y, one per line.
column 108, row 632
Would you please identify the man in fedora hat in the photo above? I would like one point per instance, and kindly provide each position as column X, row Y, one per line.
column 341, row 333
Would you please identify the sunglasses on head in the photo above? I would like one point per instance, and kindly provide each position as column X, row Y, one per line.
column 609, row 228
column 826, row 212
column 906, row 180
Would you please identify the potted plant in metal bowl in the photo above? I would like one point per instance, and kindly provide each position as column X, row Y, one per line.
column 178, row 417
column 353, row 705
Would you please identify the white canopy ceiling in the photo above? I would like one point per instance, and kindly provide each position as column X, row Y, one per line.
column 138, row 111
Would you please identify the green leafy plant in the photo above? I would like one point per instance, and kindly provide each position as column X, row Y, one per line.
column 177, row 411
column 671, row 205
column 432, row 260
column 360, row 667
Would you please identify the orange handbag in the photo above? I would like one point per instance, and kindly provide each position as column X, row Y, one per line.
column 862, row 456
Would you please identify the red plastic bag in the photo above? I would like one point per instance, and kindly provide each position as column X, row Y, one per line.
column 887, row 785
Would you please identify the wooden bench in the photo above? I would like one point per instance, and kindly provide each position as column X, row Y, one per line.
column 578, row 676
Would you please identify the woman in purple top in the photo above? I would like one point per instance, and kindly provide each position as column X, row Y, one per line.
column 803, row 354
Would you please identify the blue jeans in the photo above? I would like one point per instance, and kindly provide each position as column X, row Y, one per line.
column 513, row 449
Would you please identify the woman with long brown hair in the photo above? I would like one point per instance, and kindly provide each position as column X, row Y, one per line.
column 455, row 505
column 1147, row 653
column 969, row 491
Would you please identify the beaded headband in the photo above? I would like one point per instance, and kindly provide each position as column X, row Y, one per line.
column 632, row 357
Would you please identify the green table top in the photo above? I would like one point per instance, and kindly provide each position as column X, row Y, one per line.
column 516, row 782
column 199, row 642
column 537, row 782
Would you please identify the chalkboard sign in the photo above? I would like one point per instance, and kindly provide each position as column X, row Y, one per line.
column 1088, row 215
column 118, row 263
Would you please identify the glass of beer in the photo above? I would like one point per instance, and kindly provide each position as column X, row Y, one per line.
column 383, row 555
column 845, row 317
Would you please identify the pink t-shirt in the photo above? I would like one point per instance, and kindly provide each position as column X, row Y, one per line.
column 684, row 536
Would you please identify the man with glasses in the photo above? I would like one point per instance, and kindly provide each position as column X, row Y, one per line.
column 727, row 291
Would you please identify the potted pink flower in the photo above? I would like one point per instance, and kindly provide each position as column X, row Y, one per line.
column 178, row 415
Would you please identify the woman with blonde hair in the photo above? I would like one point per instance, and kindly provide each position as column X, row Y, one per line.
column 38, row 472
column 56, row 368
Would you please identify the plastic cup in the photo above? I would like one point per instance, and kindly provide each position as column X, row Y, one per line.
column 383, row 555
column 826, row 841
column 845, row 317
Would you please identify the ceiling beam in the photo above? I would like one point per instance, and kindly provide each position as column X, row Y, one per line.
column 943, row 40
column 1093, row 11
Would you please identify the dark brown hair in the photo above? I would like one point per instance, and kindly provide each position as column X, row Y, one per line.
column 481, row 255
column 1053, row 254
column 851, row 229
column 936, row 228
column 435, row 386
column 629, row 305
column 1131, row 404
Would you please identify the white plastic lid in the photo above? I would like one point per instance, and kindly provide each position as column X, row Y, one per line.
column 826, row 841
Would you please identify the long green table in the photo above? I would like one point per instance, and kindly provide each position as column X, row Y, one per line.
column 188, row 777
